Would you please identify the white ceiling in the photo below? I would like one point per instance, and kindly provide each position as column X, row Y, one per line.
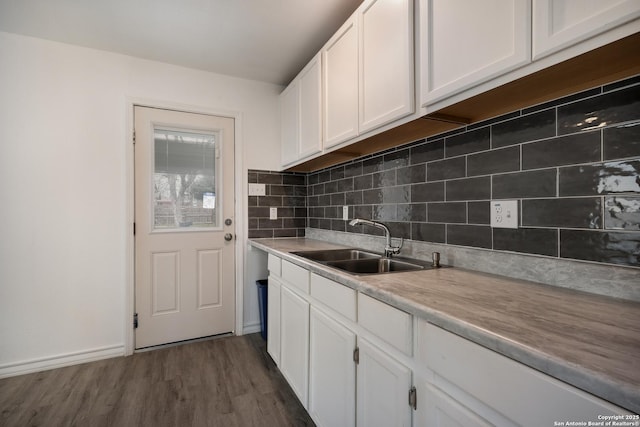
column 265, row 40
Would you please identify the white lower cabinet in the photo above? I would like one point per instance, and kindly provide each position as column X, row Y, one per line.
column 273, row 319
column 383, row 387
column 294, row 342
column 465, row 378
column 332, row 372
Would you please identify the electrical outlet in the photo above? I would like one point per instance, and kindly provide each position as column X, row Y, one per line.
column 504, row 214
column 273, row 213
column 257, row 190
column 345, row 213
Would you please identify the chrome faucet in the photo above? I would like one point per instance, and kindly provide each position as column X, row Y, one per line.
column 389, row 249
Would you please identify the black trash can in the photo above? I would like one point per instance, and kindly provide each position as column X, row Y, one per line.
column 262, row 303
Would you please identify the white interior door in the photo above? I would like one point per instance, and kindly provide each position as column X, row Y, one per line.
column 184, row 215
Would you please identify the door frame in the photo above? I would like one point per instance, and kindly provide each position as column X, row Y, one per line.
column 240, row 178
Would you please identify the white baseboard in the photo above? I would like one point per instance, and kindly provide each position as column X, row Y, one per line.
column 52, row 362
column 250, row 328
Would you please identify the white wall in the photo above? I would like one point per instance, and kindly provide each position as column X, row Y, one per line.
column 63, row 187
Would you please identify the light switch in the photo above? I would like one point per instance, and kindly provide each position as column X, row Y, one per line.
column 273, row 213
column 345, row 213
column 257, row 190
column 504, row 214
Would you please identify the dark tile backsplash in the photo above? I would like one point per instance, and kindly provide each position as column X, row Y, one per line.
column 572, row 163
column 285, row 191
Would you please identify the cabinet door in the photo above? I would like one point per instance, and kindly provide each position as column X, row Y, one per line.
column 290, row 123
column 383, row 386
column 437, row 409
column 465, row 43
column 332, row 372
column 558, row 24
column 386, row 62
column 273, row 319
column 340, row 62
column 294, row 342
column 310, row 141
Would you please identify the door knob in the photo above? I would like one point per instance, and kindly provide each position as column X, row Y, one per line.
column 228, row 221
column 228, row 237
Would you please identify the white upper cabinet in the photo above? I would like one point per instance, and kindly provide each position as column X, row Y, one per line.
column 289, row 123
column 558, row 24
column 301, row 109
column 340, row 67
column 386, row 62
column 464, row 43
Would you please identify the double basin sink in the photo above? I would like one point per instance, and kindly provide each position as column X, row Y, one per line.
column 357, row 261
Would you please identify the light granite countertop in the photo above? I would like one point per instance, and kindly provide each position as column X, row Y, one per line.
column 589, row 341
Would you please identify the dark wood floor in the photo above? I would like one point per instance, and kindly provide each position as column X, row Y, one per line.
column 227, row 381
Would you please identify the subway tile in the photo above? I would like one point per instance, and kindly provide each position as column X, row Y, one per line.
column 414, row 212
column 449, row 212
column 252, row 201
column 569, row 213
column 622, row 141
column 313, row 223
column 258, row 234
column 331, row 187
column 372, row 197
column 564, row 100
column 396, row 159
column 622, row 213
column 372, row 165
column 365, row 212
column 269, row 223
column 325, row 224
column 290, row 179
column 428, row 192
column 324, row 200
column 286, row 212
column 313, row 178
column 345, row 184
column 353, row 169
column 601, row 246
column 478, row 236
column 602, row 110
column 540, row 183
column 398, row 194
column 478, row 213
column 427, row 152
column 317, row 189
column 316, row 212
column 338, row 225
column 621, row 83
column 258, row 212
column 273, row 201
column 285, row 232
column 294, row 201
column 269, row 178
column 287, row 190
column 468, row 142
column 353, row 198
column 428, row 232
column 538, row 241
column 363, row 182
column 337, row 173
column 469, row 189
column 300, row 232
column 252, row 177
column 399, row 230
column 563, row 150
column 411, row 174
column 293, row 222
column 300, row 212
column 493, row 120
column 332, row 212
column 494, row 161
column 312, row 201
column 527, row 128
column 446, row 169
column 253, row 223
column 324, row 176
column 384, row 212
column 603, row 178
column 384, row 179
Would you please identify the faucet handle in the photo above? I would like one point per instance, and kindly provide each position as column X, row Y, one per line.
column 395, row 249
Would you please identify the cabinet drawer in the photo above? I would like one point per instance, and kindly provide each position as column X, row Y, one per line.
column 274, row 265
column 296, row 276
column 389, row 323
column 336, row 296
column 501, row 383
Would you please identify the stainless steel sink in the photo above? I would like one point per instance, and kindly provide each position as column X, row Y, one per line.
column 373, row 266
column 356, row 261
column 337, row 255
